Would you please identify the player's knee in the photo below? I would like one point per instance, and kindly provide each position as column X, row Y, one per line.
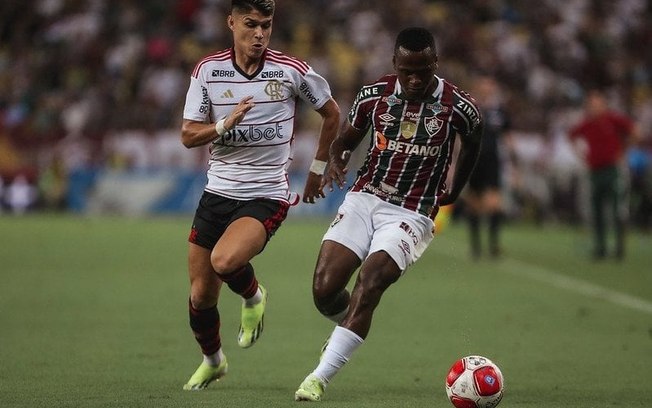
column 201, row 301
column 330, row 302
column 224, row 264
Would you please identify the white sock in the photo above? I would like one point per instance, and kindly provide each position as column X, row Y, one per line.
column 214, row 359
column 342, row 344
column 255, row 299
column 338, row 317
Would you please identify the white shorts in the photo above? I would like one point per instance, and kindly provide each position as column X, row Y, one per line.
column 366, row 224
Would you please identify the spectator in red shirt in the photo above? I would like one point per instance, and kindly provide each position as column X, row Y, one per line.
column 606, row 135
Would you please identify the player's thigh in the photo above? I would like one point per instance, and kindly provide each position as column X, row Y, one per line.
column 378, row 272
column 249, row 227
column 243, row 239
column 204, row 282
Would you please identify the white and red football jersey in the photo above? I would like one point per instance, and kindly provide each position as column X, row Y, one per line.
column 250, row 161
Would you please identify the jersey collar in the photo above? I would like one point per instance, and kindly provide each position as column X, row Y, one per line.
column 261, row 65
column 435, row 94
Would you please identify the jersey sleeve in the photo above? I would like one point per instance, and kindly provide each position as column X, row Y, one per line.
column 314, row 89
column 198, row 104
column 359, row 114
column 466, row 115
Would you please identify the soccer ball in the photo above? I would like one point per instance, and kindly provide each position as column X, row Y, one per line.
column 474, row 382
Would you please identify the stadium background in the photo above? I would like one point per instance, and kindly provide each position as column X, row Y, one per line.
column 97, row 192
column 91, row 91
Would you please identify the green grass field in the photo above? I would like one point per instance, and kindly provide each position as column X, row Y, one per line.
column 93, row 313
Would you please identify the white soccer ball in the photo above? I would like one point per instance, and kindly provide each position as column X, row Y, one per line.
column 474, row 382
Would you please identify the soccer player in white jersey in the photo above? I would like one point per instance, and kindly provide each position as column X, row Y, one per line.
column 386, row 220
column 241, row 104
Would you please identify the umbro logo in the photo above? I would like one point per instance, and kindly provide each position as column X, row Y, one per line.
column 227, row 94
column 386, row 119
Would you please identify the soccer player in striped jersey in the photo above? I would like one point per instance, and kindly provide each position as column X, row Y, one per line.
column 386, row 220
column 241, row 104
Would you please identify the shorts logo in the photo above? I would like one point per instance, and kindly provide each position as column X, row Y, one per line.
column 405, row 227
column 405, row 247
column 193, row 235
column 337, row 219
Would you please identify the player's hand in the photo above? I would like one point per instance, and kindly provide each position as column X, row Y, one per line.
column 238, row 113
column 313, row 189
column 335, row 172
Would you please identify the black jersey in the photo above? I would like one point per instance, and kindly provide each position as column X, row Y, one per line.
column 412, row 141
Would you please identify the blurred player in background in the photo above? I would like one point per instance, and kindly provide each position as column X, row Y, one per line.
column 483, row 195
column 604, row 136
column 385, row 222
column 241, row 104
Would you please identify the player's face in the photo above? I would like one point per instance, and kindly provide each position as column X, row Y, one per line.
column 251, row 32
column 596, row 103
column 416, row 72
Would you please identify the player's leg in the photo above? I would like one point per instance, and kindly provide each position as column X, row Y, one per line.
column 335, row 266
column 597, row 206
column 204, row 318
column 473, row 214
column 242, row 240
column 251, row 227
column 399, row 240
column 619, row 202
column 378, row 272
column 492, row 203
column 394, row 246
column 345, row 244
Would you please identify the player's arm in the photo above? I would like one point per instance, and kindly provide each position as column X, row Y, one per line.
column 330, row 113
column 347, row 141
column 466, row 160
column 195, row 133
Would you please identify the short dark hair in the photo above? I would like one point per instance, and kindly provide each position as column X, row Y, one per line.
column 265, row 7
column 415, row 39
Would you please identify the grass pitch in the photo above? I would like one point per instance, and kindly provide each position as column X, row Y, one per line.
column 93, row 313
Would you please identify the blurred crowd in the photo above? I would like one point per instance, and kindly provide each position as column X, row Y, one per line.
column 99, row 83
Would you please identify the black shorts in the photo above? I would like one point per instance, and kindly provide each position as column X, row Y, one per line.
column 215, row 213
column 486, row 174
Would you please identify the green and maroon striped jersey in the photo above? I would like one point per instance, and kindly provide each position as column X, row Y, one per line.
column 411, row 142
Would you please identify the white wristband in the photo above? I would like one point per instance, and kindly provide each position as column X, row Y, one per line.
column 318, row 167
column 220, row 128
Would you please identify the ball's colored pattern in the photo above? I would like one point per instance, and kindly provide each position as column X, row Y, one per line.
column 474, row 382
